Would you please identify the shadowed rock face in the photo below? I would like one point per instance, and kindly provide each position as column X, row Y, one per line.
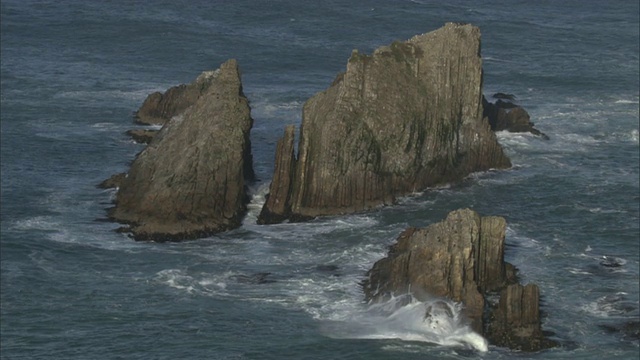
column 407, row 117
column 515, row 322
column 462, row 258
column 190, row 180
column 505, row 115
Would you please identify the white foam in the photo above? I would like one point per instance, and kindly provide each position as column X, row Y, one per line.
column 258, row 195
column 609, row 305
column 37, row 223
column 436, row 321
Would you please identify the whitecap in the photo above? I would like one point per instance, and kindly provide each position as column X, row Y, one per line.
column 436, row 321
column 37, row 223
column 611, row 305
column 579, row 271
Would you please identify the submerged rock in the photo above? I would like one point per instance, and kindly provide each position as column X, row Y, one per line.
column 190, row 180
column 462, row 259
column 257, row 278
column 407, row 117
column 630, row 330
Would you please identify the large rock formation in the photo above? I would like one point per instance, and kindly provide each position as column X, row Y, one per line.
column 462, row 258
column 407, row 117
column 190, row 180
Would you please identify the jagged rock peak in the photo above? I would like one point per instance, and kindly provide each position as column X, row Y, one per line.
column 190, row 180
column 404, row 118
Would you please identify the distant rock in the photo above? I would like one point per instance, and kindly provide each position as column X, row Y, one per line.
column 158, row 108
column 142, row 136
column 506, row 115
column 190, row 180
column 462, row 258
column 407, row 117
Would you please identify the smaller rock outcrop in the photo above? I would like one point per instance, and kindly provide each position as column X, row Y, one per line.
column 142, row 136
column 113, row 182
column 504, row 114
column 278, row 207
column 190, row 180
column 462, row 259
column 158, row 108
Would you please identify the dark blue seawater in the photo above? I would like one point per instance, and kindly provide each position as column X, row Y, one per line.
column 73, row 72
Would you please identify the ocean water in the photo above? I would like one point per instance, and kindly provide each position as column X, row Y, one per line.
column 72, row 73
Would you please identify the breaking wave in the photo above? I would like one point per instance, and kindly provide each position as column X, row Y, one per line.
column 437, row 321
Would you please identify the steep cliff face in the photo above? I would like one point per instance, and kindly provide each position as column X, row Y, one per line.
column 407, row 117
column 190, row 180
column 462, row 258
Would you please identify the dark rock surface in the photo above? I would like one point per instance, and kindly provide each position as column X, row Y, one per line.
column 462, row 258
column 190, row 180
column 629, row 330
column 506, row 115
column 113, row 182
column 407, row 117
column 515, row 323
column 142, row 136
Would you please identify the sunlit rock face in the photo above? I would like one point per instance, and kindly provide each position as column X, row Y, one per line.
column 407, row 117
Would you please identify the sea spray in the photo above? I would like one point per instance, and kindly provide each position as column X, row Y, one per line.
column 438, row 321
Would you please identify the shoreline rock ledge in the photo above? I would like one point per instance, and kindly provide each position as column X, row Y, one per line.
column 462, row 259
column 407, row 117
column 189, row 182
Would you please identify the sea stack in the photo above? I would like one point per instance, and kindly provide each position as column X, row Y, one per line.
column 407, row 117
column 190, row 181
column 462, row 259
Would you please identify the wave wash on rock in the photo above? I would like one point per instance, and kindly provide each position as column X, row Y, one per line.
column 189, row 181
column 407, row 117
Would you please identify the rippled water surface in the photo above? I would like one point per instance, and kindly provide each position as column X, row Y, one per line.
column 73, row 72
